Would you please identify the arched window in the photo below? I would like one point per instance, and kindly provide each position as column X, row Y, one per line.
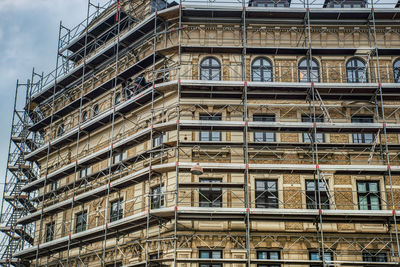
column 356, row 71
column 84, row 116
column 210, row 69
column 60, row 130
column 261, row 70
column 312, row 66
column 117, row 98
column 95, row 110
column 396, row 71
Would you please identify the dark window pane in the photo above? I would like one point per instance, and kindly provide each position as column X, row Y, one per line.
column 266, row 195
column 307, row 137
column 208, row 196
column 368, row 195
column 157, row 197
column 116, row 212
column 307, row 66
column 356, row 71
column 210, row 135
column 261, row 70
column 210, row 69
column 362, row 138
column 312, row 196
column 264, row 136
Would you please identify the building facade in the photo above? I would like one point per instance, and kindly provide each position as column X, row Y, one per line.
column 259, row 133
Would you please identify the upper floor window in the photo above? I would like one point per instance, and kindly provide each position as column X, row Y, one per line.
column 356, row 71
column 362, row 138
column 396, row 71
column 315, row 256
column 268, row 255
column 314, row 198
column 95, row 110
column 84, row 116
column 264, row 136
column 374, row 256
column 61, row 129
column 210, row 135
column 116, row 211
column 210, row 254
column 157, row 197
column 117, row 98
column 307, row 137
column 81, row 222
column 308, row 70
column 210, row 196
column 368, row 195
column 261, row 70
column 266, row 194
column 50, row 231
column 210, row 69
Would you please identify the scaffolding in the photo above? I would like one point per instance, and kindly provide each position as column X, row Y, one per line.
column 121, row 111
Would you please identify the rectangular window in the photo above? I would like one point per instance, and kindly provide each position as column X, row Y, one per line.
column 84, row 172
column 157, row 197
column 312, row 195
column 81, row 222
column 268, row 255
column 266, row 194
column 210, row 135
column 119, row 156
column 116, row 211
column 368, row 195
column 264, row 136
column 158, row 140
column 373, row 256
column 210, row 254
column 319, row 138
column 116, row 264
column 315, row 256
column 50, row 231
column 362, row 138
column 209, row 196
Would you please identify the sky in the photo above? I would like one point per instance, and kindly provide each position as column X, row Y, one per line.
column 28, row 38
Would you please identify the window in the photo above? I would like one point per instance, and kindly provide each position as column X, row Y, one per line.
column 268, row 255
column 54, row 186
column 210, row 254
column 84, row 116
column 117, row 98
column 81, row 222
column 362, row 138
column 266, row 194
column 319, row 138
column 210, row 135
column 314, row 256
column 116, row 212
column 115, row 264
column 50, row 231
column 95, row 110
column 264, row 136
column 312, row 195
column 396, row 71
column 60, row 130
column 158, row 140
column 84, row 172
column 157, row 197
column 154, row 256
column 368, row 195
column 356, row 71
column 119, row 156
column 374, row 256
column 261, row 70
column 209, row 196
column 304, row 66
column 210, row 69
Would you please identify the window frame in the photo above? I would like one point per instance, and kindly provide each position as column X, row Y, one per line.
column 265, row 136
column 368, row 194
column 84, row 116
column 157, row 199
column 209, row 135
column 268, row 257
column 319, row 137
column 372, row 256
column 263, row 70
column 301, row 69
column 50, row 231
column 117, row 98
column 209, row 68
column 310, row 253
column 271, row 194
column 96, row 110
column 212, row 197
column 311, row 202
column 210, row 256
column 118, row 214
column 396, row 70
column 360, row 138
column 355, row 71
column 81, row 225
column 60, row 130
